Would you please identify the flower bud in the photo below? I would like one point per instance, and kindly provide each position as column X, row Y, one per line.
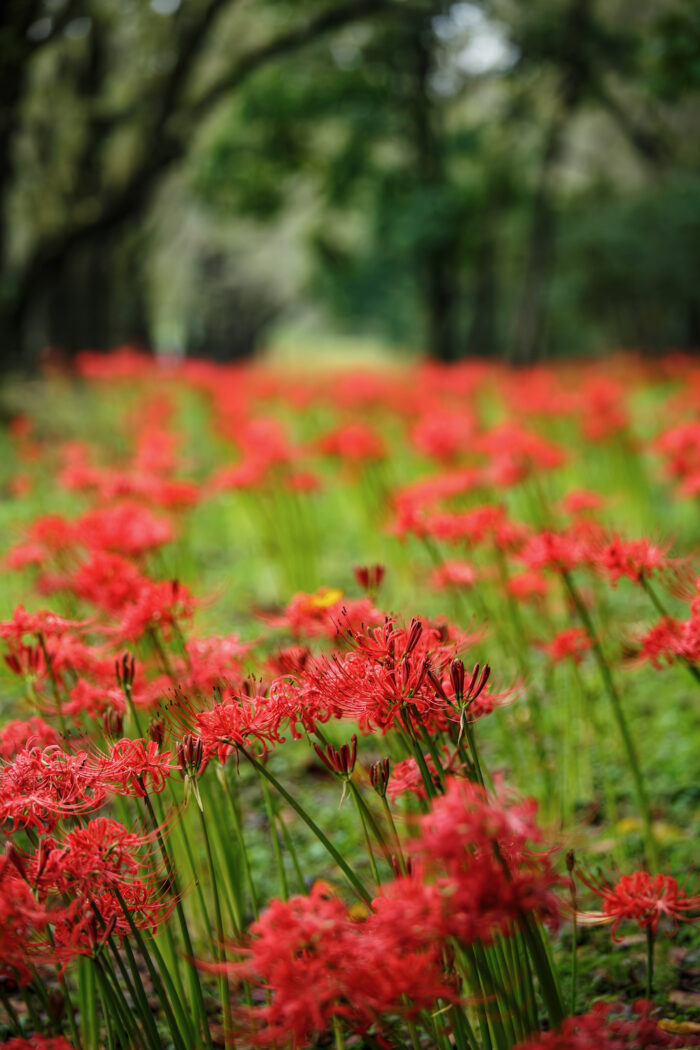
column 113, row 722
column 156, row 731
column 339, row 760
column 369, row 577
column 379, row 776
column 457, row 678
column 190, row 755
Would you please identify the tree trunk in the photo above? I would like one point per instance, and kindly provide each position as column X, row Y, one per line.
column 482, row 340
column 438, row 249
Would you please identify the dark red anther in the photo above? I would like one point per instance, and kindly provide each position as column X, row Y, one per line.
column 156, row 731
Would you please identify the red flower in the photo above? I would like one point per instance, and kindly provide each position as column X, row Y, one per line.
column 133, row 767
column 478, row 849
column 601, row 1030
column 158, row 606
column 644, row 899
column 570, row 644
column 454, row 574
column 316, row 963
column 354, row 443
column 21, row 734
column 39, row 1042
column 39, row 787
column 561, row 552
column 88, row 860
column 636, row 559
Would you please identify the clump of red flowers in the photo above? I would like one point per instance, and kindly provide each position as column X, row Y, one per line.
column 604, row 1029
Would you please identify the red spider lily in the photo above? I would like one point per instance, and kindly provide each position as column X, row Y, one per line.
column 316, row 964
column 125, row 528
column 477, row 848
column 157, row 607
column 478, row 525
column 44, row 622
column 109, row 581
column 637, row 559
column 428, row 492
column 600, row 1029
column 46, row 537
column 353, row 443
column 135, row 767
column 39, row 1042
column 642, row 898
column 569, row 644
column 454, row 574
column 290, row 661
column 89, row 921
column 23, row 922
column 326, row 612
column 672, row 639
column 235, row 723
column 581, row 501
column 603, row 408
column 561, row 552
column 443, row 435
column 406, row 778
column 212, row 662
column 19, row 735
column 382, row 682
column 515, row 454
column 529, row 586
column 87, row 860
column 680, row 446
column 40, row 786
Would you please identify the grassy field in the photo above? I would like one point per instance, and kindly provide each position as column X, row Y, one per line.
column 293, row 815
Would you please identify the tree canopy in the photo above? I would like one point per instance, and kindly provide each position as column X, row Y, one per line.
column 486, row 177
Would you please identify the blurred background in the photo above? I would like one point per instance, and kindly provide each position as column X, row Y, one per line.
column 516, row 178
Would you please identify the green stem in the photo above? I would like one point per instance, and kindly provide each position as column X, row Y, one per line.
column 350, row 875
column 158, row 981
column 192, row 972
column 11, row 1012
column 54, row 685
column 274, row 838
column 368, row 843
column 619, row 714
column 238, row 827
column 224, row 990
column 574, row 964
column 650, row 963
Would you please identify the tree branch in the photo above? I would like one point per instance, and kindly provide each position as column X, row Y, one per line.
column 649, row 144
column 167, row 146
column 286, row 43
